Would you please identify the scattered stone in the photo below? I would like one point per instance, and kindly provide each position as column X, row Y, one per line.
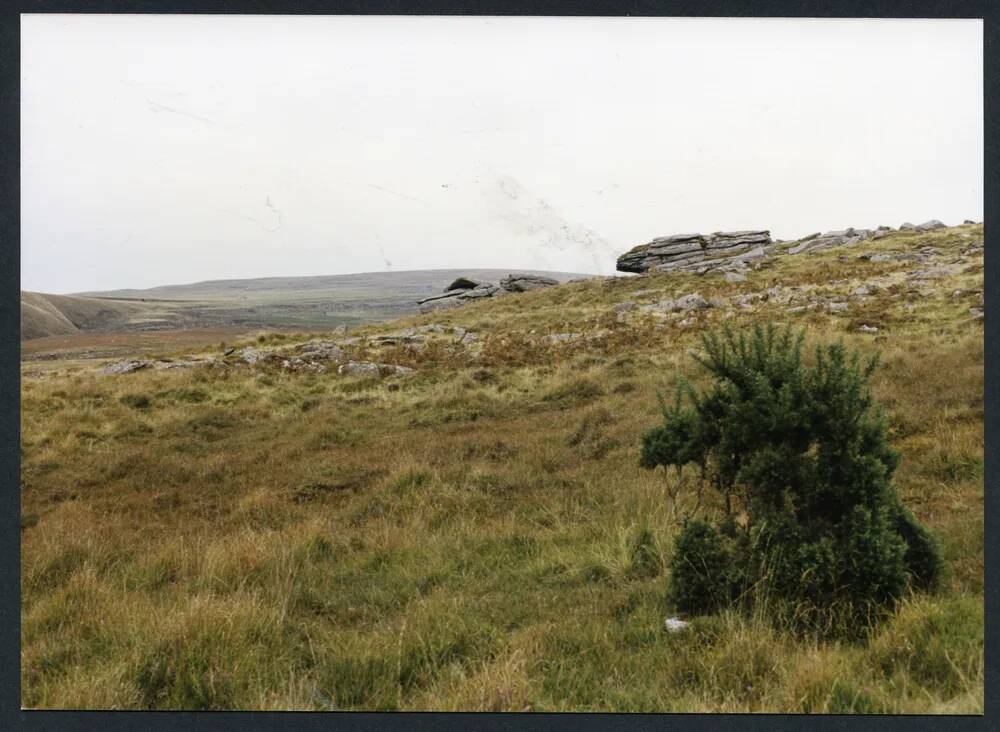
column 298, row 364
column 229, row 352
column 836, row 307
column 976, row 313
column 907, row 226
column 562, row 337
column 624, row 307
column 868, row 329
column 125, row 367
column 862, row 291
column 930, row 225
column 734, row 277
column 965, row 293
column 691, row 301
column 321, row 350
column 468, row 338
column 968, row 221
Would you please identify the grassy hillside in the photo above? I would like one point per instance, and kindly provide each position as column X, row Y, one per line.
column 49, row 315
column 464, row 537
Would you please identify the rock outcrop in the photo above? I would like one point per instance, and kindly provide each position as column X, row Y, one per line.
column 696, row 251
column 464, row 290
column 734, row 251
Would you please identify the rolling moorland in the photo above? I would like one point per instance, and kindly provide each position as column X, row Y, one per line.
column 235, row 305
column 446, row 511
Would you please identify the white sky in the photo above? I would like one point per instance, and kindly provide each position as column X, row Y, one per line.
column 169, row 149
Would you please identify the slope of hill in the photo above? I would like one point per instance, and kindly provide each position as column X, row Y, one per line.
column 283, row 526
column 47, row 315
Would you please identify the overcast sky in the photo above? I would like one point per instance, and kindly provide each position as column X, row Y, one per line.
column 171, row 149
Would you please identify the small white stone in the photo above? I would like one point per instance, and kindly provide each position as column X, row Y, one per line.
column 675, row 625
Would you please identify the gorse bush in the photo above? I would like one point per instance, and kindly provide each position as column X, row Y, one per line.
column 798, row 456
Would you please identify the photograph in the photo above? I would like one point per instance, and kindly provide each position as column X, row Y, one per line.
column 470, row 363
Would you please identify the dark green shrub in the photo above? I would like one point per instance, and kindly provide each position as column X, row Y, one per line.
column 702, row 577
column 922, row 557
column 798, row 454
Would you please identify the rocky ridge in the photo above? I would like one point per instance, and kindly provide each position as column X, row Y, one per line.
column 464, row 290
column 733, row 251
column 903, row 271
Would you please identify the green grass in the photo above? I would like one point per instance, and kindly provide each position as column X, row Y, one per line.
column 477, row 535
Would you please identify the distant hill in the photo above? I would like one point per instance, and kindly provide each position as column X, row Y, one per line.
column 411, row 285
column 267, row 302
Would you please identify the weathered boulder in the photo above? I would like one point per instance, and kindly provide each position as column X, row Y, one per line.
column 930, row 225
column 524, row 283
column 370, row 368
column 693, row 251
column 463, row 283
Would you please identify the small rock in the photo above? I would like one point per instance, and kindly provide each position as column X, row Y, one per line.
column 734, row 277
column 229, row 352
column 868, row 329
column 836, row 307
column 930, row 225
column 469, row 338
column 976, row 313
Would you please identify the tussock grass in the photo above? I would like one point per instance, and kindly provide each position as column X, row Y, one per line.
column 477, row 535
